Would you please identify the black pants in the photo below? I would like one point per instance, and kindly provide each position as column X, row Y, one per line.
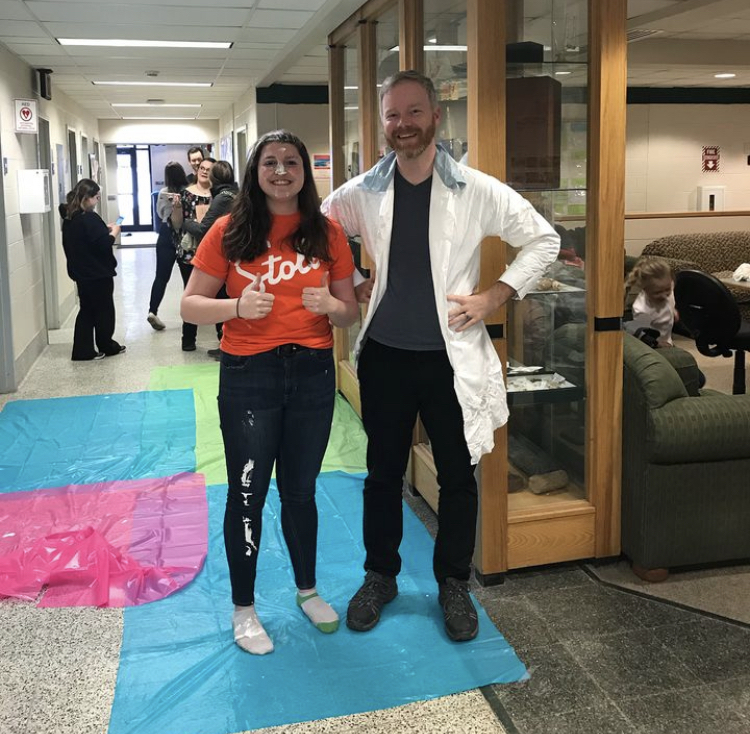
column 396, row 385
column 275, row 407
column 96, row 319
column 189, row 331
column 165, row 259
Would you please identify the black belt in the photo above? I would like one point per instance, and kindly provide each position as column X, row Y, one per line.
column 286, row 350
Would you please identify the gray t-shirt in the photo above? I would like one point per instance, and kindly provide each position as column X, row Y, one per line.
column 406, row 318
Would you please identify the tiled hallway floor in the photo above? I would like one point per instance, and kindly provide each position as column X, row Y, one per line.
column 602, row 660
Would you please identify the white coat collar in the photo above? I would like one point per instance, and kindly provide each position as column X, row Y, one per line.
column 379, row 177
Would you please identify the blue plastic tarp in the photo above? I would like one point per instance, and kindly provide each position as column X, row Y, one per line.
column 181, row 673
column 83, row 440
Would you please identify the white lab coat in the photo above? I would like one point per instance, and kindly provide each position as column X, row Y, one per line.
column 465, row 207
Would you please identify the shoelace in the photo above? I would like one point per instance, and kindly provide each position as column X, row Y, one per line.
column 371, row 592
column 457, row 601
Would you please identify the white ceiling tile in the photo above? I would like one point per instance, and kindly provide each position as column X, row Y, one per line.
column 21, row 29
column 258, row 34
column 116, row 15
column 309, row 5
column 280, row 19
column 13, row 10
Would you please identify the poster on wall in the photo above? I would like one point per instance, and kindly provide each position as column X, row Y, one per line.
column 711, row 156
column 225, row 148
column 321, row 163
column 94, row 167
column 26, row 119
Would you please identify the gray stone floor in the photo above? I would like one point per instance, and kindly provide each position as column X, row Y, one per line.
column 602, row 660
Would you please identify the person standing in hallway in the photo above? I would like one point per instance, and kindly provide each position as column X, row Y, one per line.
column 423, row 348
column 88, row 243
column 223, row 192
column 166, row 245
column 195, row 156
column 288, row 273
column 192, row 205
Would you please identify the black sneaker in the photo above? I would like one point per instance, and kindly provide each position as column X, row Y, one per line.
column 214, row 354
column 364, row 608
column 461, row 621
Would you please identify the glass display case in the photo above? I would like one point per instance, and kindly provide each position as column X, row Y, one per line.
column 546, row 152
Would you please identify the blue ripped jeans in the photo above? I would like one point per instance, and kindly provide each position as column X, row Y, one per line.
column 276, row 406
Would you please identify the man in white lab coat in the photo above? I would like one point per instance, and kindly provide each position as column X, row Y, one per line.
column 423, row 348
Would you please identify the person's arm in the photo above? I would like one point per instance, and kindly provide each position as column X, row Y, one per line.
column 335, row 299
column 176, row 217
column 164, row 205
column 220, row 205
column 514, row 220
column 470, row 310
column 337, row 206
column 200, row 306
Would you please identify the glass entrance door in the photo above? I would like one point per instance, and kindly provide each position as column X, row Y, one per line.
column 134, row 187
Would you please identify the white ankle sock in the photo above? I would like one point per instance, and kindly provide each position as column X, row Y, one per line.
column 321, row 614
column 249, row 633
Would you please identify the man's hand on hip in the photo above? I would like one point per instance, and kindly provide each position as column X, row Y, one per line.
column 477, row 307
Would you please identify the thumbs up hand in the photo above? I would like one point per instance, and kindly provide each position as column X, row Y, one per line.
column 319, row 300
column 254, row 303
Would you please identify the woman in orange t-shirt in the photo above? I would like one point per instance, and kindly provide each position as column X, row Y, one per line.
column 288, row 274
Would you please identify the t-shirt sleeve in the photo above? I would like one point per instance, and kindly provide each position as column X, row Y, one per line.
column 342, row 260
column 209, row 257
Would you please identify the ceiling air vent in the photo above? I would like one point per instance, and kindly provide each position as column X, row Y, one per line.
column 638, row 34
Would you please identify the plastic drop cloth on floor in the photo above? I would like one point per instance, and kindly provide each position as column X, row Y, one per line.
column 346, row 447
column 82, row 440
column 110, row 544
column 181, row 673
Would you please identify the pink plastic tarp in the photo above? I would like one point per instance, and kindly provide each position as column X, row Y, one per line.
column 110, row 544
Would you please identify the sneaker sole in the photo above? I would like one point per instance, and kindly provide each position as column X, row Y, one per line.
column 359, row 627
column 156, row 325
column 463, row 637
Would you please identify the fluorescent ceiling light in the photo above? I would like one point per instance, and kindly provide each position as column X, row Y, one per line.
column 438, row 48
column 562, row 73
column 121, row 42
column 351, row 87
column 351, row 108
column 152, row 104
column 158, row 118
column 725, row 76
column 155, row 84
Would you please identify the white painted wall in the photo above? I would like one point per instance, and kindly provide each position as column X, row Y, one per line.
column 188, row 132
column 242, row 116
column 309, row 122
column 664, row 167
column 21, row 234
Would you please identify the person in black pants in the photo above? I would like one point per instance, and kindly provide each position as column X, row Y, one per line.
column 423, row 348
column 88, row 242
column 223, row 191
column 166, row 245
column 193, row 204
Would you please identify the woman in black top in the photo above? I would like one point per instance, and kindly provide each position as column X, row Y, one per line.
column 88, row 242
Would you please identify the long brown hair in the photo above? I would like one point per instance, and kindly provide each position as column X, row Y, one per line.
column 247, row 232
column 84, row 189
column 174, row 177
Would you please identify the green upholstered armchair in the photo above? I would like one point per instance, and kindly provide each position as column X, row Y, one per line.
column 686, row 465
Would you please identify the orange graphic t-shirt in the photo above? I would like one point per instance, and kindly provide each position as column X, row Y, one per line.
column 283, row 272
